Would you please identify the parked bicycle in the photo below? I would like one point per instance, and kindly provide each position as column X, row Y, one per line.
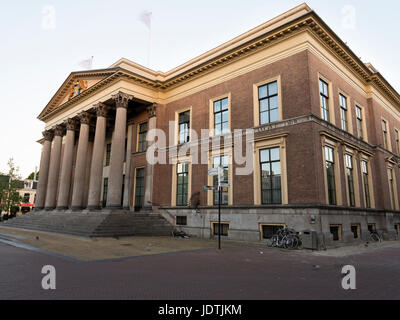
column 374, row 236
column 286, row 238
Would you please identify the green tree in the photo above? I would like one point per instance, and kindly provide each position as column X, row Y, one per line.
column 32, row 175
column 9, row 184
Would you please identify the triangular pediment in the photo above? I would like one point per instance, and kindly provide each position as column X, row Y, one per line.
column 76, row 84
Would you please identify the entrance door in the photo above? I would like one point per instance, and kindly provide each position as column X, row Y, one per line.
column 139, row 189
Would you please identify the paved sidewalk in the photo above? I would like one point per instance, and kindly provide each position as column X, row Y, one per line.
column 89, row 249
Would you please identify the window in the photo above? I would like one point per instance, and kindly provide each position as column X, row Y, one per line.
column 384, row 131
column 223, row 161
column 343, row 112
column 142, row 143
column 364, row 170
column 268, row 102
column 224, row 229
column 181, row 220
column 397, row 140
column 184, row 127
column 350, row 179
column 359, row 123
column 108, row 154
column 336, row 230
column 371, row 227
column 105, row 191
column 330, row 174
column 391, row 187
column 269, row 230
column 270, row 165
column 355, row 228
column 324, row 97
column 397, row 228
column 182, row 175
column 26, row 197
column 221, row 116
column 139, row 188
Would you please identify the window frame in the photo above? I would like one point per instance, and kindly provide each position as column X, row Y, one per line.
column 213, row 230
column 340, row 231
column 138, row 135
column 331, row 114
column 177, row 126
column 264, row 143
column 392, row 183
column 270, row 177
column 344, row 112
column 135, row 185
column 262, row 224
column 350, row 179
column 212, row 115
column 256, row 104
column 386, row 135
column 174, row 187
column 327, row 140
column 367, row 158
column 218, row 153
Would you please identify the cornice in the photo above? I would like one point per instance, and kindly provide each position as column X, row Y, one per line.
column 310, row 22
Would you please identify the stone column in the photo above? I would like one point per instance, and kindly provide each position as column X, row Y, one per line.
column 44, row 170
column 66, row 168
column 80, row 165
column 127, row 183
column 148, row 191
column 96, row 170
column 54, row 171
column 114, row 195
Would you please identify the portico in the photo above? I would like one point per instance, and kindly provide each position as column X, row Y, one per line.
column 73, row 178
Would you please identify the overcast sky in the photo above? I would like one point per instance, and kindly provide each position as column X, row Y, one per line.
column 43, row 41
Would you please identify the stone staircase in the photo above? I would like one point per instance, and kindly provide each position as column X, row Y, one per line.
column 93, row 224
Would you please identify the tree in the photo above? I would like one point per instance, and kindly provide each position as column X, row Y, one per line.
column 9, row 184
column 32, row 175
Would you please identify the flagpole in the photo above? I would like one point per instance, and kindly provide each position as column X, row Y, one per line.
column 148, row 48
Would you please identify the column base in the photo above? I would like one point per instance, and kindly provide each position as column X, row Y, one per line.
column 76, row 208
column 49, row 208
column 62, row 208
column 94, row 208
column 114, row 206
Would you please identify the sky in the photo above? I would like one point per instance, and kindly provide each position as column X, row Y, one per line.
column 41, row 42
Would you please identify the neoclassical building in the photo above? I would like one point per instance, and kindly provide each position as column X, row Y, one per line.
column 325, row 150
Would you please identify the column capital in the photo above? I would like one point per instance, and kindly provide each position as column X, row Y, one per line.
column 152, row 110
column 48, row 135
column 84, row 117
column 70, row 124
column 121, row 99
column 59, row 130
column 101, row 109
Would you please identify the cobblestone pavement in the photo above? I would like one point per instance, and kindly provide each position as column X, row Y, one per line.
column 241, row 272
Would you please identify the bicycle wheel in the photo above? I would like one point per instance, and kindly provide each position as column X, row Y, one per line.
column 295, row 242
column 274, row 241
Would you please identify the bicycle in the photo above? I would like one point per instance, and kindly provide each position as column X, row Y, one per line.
column 286, row 238
column 375, row 236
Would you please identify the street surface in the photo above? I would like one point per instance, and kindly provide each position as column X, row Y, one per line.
column 241, row 272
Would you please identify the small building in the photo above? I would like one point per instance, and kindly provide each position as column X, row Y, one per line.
column 28, row 196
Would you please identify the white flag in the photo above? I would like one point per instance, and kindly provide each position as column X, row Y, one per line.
column 145, row 17
column 87, row 63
